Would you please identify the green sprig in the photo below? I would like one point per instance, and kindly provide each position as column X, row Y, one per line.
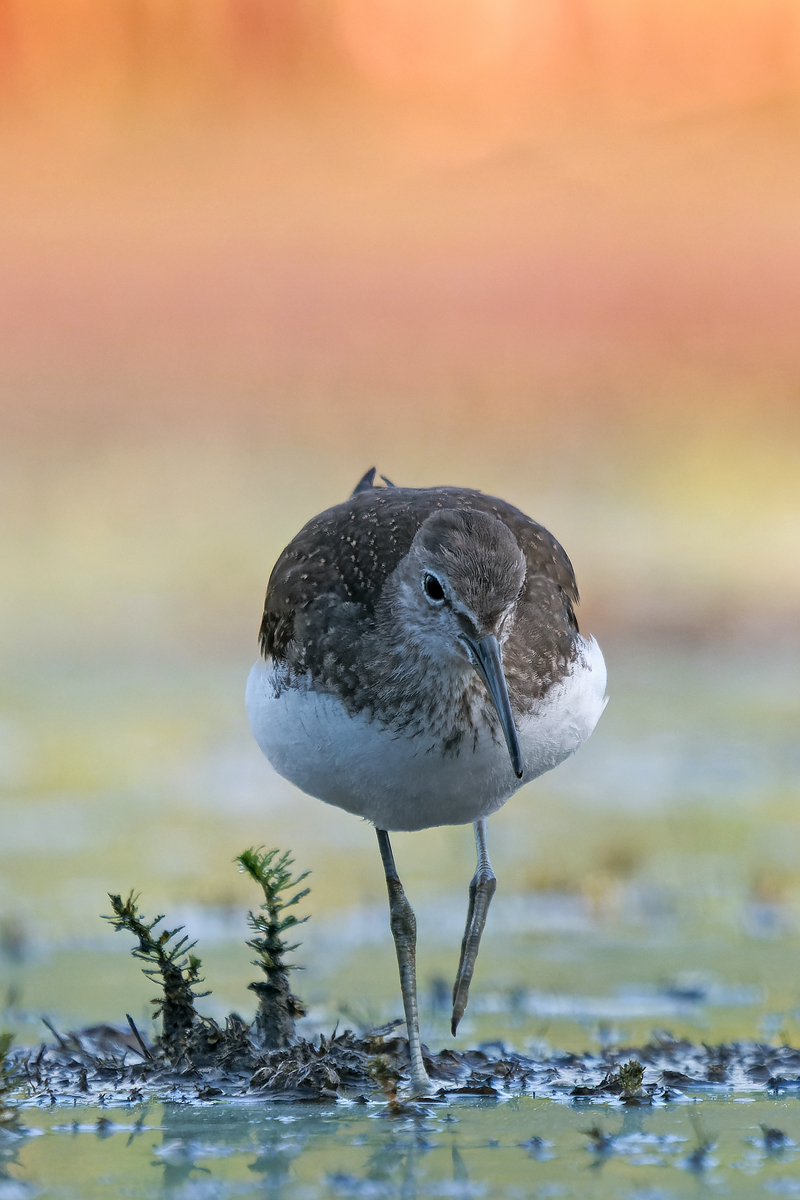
column 174, row 965
column 277, row 1007
column 273, row 874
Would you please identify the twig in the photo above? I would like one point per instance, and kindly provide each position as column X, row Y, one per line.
column 138, row 1037
column 64, row 1045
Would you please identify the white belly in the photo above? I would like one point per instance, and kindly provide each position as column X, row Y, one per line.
column 398, row 782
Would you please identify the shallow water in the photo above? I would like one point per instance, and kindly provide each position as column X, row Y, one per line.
column 523, row 1147
column 652, row 882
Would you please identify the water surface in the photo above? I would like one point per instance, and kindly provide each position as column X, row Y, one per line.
column 523, row 1147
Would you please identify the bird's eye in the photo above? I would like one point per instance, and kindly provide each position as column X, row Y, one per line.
column 432, row 588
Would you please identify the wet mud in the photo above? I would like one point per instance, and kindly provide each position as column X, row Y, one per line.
column 104, row 1065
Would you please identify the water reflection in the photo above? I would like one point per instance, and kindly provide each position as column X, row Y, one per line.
column 396, row 1148
column 467, row 1148
column 392, row 1166
column 187, row 1135
column 10, row 1184
column 276, row 1153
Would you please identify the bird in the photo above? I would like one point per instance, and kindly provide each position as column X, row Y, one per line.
column 420, row 662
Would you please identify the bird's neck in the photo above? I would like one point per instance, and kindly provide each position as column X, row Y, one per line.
column 422, row 685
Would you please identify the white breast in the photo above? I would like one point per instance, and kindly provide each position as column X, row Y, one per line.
column 398, row 782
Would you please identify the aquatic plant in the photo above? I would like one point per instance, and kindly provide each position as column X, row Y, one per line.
column 9, row 1118
column 174, row 965
column 278, row 1008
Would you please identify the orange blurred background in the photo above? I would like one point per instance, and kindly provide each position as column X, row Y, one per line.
column 549, row 249
column 544, row 247
column 301, row 210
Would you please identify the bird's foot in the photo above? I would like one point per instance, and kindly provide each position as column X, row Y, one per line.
column 420, row 1085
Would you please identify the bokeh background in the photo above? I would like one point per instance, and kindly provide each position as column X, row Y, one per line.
column 546, row 248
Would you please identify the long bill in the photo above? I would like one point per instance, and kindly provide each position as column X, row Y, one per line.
column 489, row 665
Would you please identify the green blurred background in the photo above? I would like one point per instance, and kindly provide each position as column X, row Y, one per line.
column 250, row 249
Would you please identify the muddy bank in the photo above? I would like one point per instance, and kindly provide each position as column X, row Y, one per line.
column 195, row 1060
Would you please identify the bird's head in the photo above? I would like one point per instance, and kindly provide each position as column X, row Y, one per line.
column 459, row 586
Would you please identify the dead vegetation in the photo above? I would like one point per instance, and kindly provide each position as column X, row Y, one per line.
column 103, row 1065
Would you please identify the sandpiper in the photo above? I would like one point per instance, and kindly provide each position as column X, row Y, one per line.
column 421, row 661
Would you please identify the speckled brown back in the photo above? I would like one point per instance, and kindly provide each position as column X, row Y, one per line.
column 343, row 557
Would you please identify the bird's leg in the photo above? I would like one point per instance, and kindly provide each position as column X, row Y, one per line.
column 481, row 890
column 404, row 931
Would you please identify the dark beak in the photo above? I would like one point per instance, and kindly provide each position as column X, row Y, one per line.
column 489, row 665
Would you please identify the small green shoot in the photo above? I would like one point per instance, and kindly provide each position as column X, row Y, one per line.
column 630, row 1076
column 277, row 1007
column 174, row 966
